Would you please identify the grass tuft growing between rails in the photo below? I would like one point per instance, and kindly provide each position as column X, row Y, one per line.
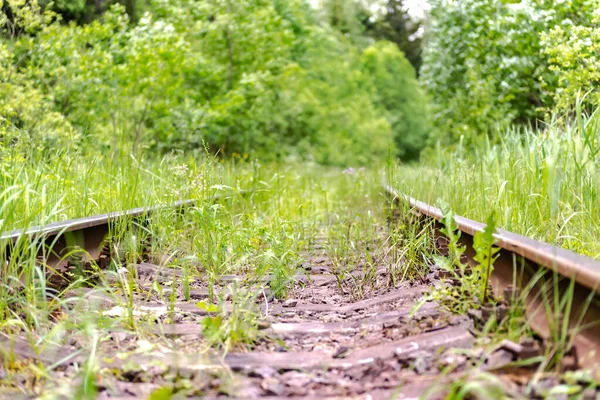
column 244, row 245
column 541, row 185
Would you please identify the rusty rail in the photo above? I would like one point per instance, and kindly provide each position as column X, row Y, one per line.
column 62, row 227
column 521, row 260
column 56, row 240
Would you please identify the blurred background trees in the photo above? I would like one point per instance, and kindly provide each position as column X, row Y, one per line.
column 489, row 64
column 252, row 78
column 328, row 80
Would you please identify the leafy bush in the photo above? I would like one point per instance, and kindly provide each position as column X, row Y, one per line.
column 262, row 78
column 486, row 66
column 397, row 91
column 574, row 52
column 481, row 64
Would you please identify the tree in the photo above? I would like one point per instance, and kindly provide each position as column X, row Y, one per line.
column 397, row 91
column 486, row 65
column 392, row 22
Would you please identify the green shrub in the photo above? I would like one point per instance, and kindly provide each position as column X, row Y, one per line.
column 485, row 64
column 397, row 91
column 574, row 52
column 261, row 78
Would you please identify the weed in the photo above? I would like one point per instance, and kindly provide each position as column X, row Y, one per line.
column 485, row 254
column 469, row 281
column 232, row 328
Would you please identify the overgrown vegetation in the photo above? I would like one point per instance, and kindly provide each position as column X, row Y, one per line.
column 263, row 236
column 488, row 63
column 256, row 78
column 109, row 105
column 541, row 185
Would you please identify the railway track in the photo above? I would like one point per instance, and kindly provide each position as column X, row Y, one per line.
column 327, row 339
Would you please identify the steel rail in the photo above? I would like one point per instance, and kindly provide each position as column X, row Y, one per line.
column 521, row 261
column 54, row 243
column 56, row 240
column 76, row 224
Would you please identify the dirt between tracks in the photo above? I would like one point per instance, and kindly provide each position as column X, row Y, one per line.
column 321, row 342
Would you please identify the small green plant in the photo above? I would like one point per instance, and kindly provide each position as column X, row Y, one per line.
column 364, row 279
column 486, row 254
column 231, row 328
column 471, row 290
column 410, row 242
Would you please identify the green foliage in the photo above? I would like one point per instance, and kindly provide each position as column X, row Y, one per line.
column 540, row 184
column 486, row 254
column 486, row 66
column 574, row 54
column 85, row 11
column 397, row 91
column 460, row 298
column 481, row 65
column 346, row 16
column 256, row 78
column 231, row 330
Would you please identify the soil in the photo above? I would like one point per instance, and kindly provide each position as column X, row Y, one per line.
column 320, row 342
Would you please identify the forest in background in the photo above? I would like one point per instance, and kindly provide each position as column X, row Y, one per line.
column 284, row 79
column 250, row 79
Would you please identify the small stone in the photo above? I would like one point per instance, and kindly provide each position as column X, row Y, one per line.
column 262, row 372
column 392, row 324
column 431, row 277
column 295, row 379
column 422, row 365
column 530, row 349
column 341, row 352
column 499, row 359
column 271, row 387
column 262, row 325
column 319, row 269
column 453, row 360
column 511, row 346
column 290, row 303
column 280, row 349
column 296, row 391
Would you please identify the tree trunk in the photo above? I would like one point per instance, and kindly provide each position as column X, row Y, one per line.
column 99, row 6
column 130, row 7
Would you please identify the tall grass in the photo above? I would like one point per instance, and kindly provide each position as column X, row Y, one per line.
column 256, row 221
column 37, row 190
column 543, row 185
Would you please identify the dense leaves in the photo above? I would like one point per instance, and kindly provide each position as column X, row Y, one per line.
column 491, row 63
column 573, row 48
column 254, row 78
column 398, row 93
